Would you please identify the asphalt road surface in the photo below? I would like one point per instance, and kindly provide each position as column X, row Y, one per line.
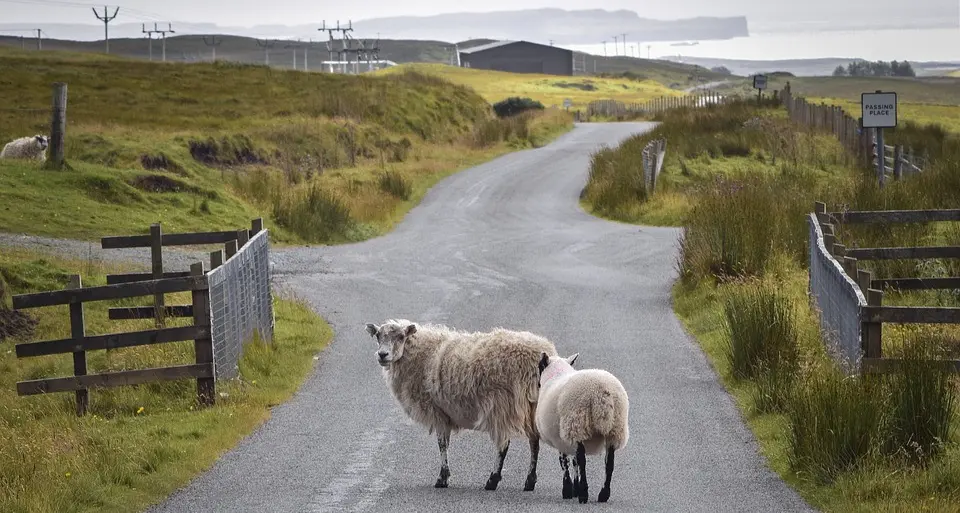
column 501, row 244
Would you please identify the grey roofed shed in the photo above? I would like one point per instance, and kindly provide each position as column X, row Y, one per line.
column 519, row 57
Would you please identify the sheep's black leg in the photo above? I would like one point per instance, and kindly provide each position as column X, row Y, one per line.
column 605, row 491
column 567, row 483
column 443, row 440
column 582, row 464
column 495, row 475
column 532, row 472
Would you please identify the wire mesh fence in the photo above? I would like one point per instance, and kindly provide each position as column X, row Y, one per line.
column 838, row 301
column 241, row 304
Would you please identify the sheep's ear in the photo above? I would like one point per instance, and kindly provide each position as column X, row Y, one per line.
column 572, row 358
column 372, row 329
column 544, row 361
column 411, row 329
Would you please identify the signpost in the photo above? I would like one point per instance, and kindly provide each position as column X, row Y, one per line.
column 879, row 111
column 567, row 103
column 759, row 83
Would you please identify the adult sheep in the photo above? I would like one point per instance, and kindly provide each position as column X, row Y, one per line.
column 450, row 380
column 581, row 412
column 26, row 148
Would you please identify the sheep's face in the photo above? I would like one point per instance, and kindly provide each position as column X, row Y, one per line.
column 41, row 141
column 391, row 338
column 553, row 366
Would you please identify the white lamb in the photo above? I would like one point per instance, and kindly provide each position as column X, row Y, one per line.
column 26, row 148
column 581, row 412
column 449, row 380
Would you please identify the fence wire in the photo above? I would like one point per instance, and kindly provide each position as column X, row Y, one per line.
column 240, row 304
column 838, row 299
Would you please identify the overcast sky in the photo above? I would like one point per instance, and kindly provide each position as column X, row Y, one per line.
column 253, row 12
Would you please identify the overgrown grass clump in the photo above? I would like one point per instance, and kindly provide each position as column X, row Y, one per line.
column 138, row 443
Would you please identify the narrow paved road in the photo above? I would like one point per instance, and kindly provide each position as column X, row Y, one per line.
column 503, row 243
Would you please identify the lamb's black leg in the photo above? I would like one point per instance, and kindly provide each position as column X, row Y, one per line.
column 495, row 475
column 532, row 472
column 567, row 483
column 443, row 441
column 582, row 464
column 605, row 491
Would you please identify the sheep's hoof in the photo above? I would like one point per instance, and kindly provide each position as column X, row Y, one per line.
column 531, row 483
column 492, row 482
column 584, row 494
column 567, row 488
column 604, row 495
column 441, row 483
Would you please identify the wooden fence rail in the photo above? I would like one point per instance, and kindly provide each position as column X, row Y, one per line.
column 80, row 343
column 232, row 239
column 875, row 314
column 617, row 109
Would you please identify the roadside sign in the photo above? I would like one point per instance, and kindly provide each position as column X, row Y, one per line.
column 760, row 82
column 879, row 109
column 567, row 103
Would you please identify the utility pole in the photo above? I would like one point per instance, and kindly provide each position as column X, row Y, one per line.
column 149, row 33
column 648, row 52
column 616, row 47
column 106, row 19
column 266, row 44
column 163, row 36
column 345, row 40
column 604, row 48
column 295, row 45
column 213, row 43
column 39, row 40
column 623, row 37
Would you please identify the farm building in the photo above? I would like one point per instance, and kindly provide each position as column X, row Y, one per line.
column 519, row 57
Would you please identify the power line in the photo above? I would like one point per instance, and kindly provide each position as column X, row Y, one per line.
column 106, row 19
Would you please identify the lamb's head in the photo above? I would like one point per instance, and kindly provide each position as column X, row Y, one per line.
column 41, row 141
column 553, row 366
column 391, row 337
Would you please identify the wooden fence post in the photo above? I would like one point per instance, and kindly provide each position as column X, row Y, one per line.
column 230, row 248
column 243, row 236
column 77, row 333
column 58, row 127
column 156, row 257
column 216, row 259
column 898, row 162
column 203, row 346
column 871, row 333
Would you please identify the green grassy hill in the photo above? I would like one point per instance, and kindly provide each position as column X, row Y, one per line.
column 323, row 157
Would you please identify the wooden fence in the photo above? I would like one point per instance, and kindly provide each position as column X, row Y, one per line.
column 231, row 239
column 617, row 109
column 652, row 158
column 79, row 342
column 874, row 315
column 897, row 160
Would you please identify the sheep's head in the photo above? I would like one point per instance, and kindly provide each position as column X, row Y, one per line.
column 42, row 141
column 391, row 337
column 553, row 366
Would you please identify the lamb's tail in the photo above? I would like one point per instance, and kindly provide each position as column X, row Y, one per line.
column 602, row 416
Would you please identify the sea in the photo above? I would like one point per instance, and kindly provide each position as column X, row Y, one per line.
column 915, row 45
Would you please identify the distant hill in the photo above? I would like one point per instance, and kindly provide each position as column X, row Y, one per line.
column 246, row 50
column 538, row 25
column 805, row 67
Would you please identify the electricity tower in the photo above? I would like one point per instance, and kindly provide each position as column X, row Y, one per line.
column 345, row 41
column 296, row 46
column 266, row 44
column 106, row 19
column 213, row 43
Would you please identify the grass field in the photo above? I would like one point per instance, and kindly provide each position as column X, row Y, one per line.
column 548, row 89
column 137, row 444
column 740, row 180
column 323, row 158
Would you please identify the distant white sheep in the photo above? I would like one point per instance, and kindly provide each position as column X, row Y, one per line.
column 449, row 380
column 581, row 412
column 26, row 148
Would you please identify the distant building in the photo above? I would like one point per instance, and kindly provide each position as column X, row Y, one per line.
column 519, row 57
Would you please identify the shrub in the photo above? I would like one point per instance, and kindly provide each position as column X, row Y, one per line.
column 313, row 214
column 762, row 331
column 515, row 105
column 834, row 423
column 395, row 184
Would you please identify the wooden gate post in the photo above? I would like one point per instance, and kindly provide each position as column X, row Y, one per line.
column 203, row 346
column 58, row 127
column 156, row 257
column 78, row 332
